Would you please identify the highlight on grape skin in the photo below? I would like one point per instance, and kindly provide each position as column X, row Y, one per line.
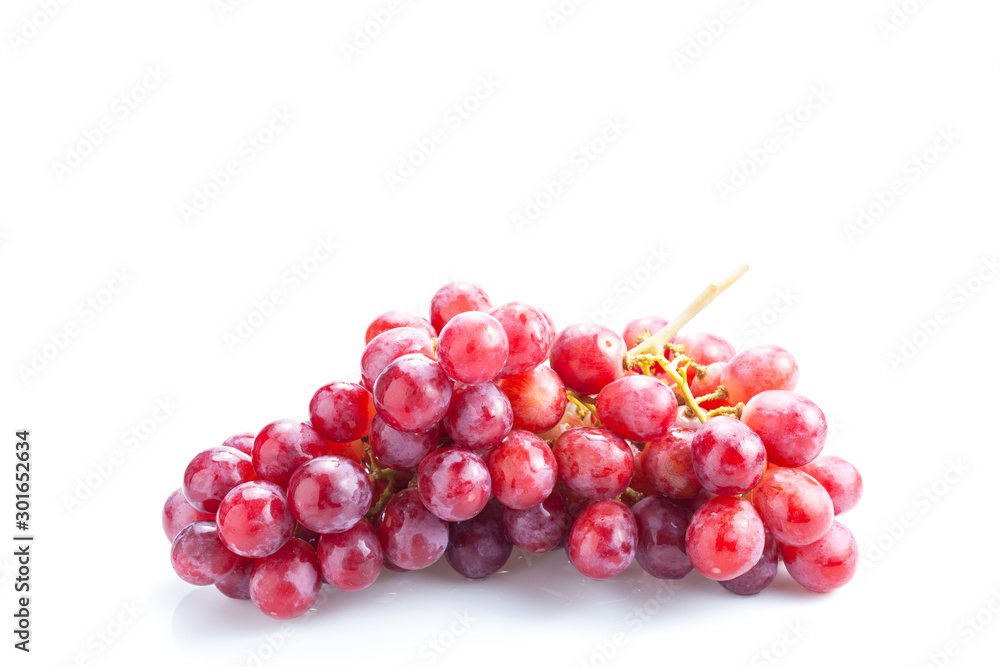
column 473, row 430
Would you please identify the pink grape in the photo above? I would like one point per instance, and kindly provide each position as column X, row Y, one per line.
column 758, row 369
column 642, row 328
column 479, row 417
column 792, row 427
column 178, row 514
column 351, row 560
column 529, row 336
column 522, row 470
column 254, row 520
column 602, row 542
column 389, row 346
column 412, row 394
column 760, row 575
column 211, row 474
column 478, row 547
column 826, row 564
column 199, row 557
column 286, row 584
column 241, row 441
column 455, row 298
column 341, row 411
column 662, row 525
column 539, row 528
column 394, row 319
column 729, row 459
column 412, row 538
column 595, row 462
column 705, row 349
column 329, row 494
column 709, row 383
column 537, row 398
column 473, row 347
column 236, row 584
column 400, row 450
column 793, row 506
column 282, row 446
column 588, row 357
column 454, row 483
column 637, row 407
column 725, row 538
column 840, row 479
column 668, row 466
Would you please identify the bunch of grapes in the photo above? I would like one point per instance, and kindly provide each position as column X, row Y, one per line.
column 482, row 428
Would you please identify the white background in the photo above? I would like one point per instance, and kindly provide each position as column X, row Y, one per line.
column 847, row 299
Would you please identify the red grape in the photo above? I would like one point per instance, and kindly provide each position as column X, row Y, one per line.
column 792, row 427
column 286, row 584
column 827, row 563
column 329, row 494
column 522, row 470
column 389, row 346
column 758, row 369
column 793, row 506
column 760, row 575
column 538, row 398
column 241, row 441
column 642, row 328
column 728, row 457
column 412, row 394
column 394, row 319
column 725, row 538
column 478, row 547
column 341, row 411
column 351, row 560
column 540, row 528
column 455, row 298
column 454, row 484
column 704, row 349
column 587, row 357
column 236, row 584
column 603, row 539
column 529, row 336
column 412, row 538
column 199, row 557
column 254, row 519
column 662, row 525
column 709, row 383
column 473, row 347
column 178, row 514
column 668, row 466
column 282, row 446
column 840, row 479
column 594, row 462
column 212, row 474
column 638, row 407
column 479, row 416
column 400, row 450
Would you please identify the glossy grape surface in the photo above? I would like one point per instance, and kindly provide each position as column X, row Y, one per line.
column 594, row 462
column 286, row 584
column 412, row 394
column 588, row 357
column 254, row 519
column 454, row 483
column 603, row 539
